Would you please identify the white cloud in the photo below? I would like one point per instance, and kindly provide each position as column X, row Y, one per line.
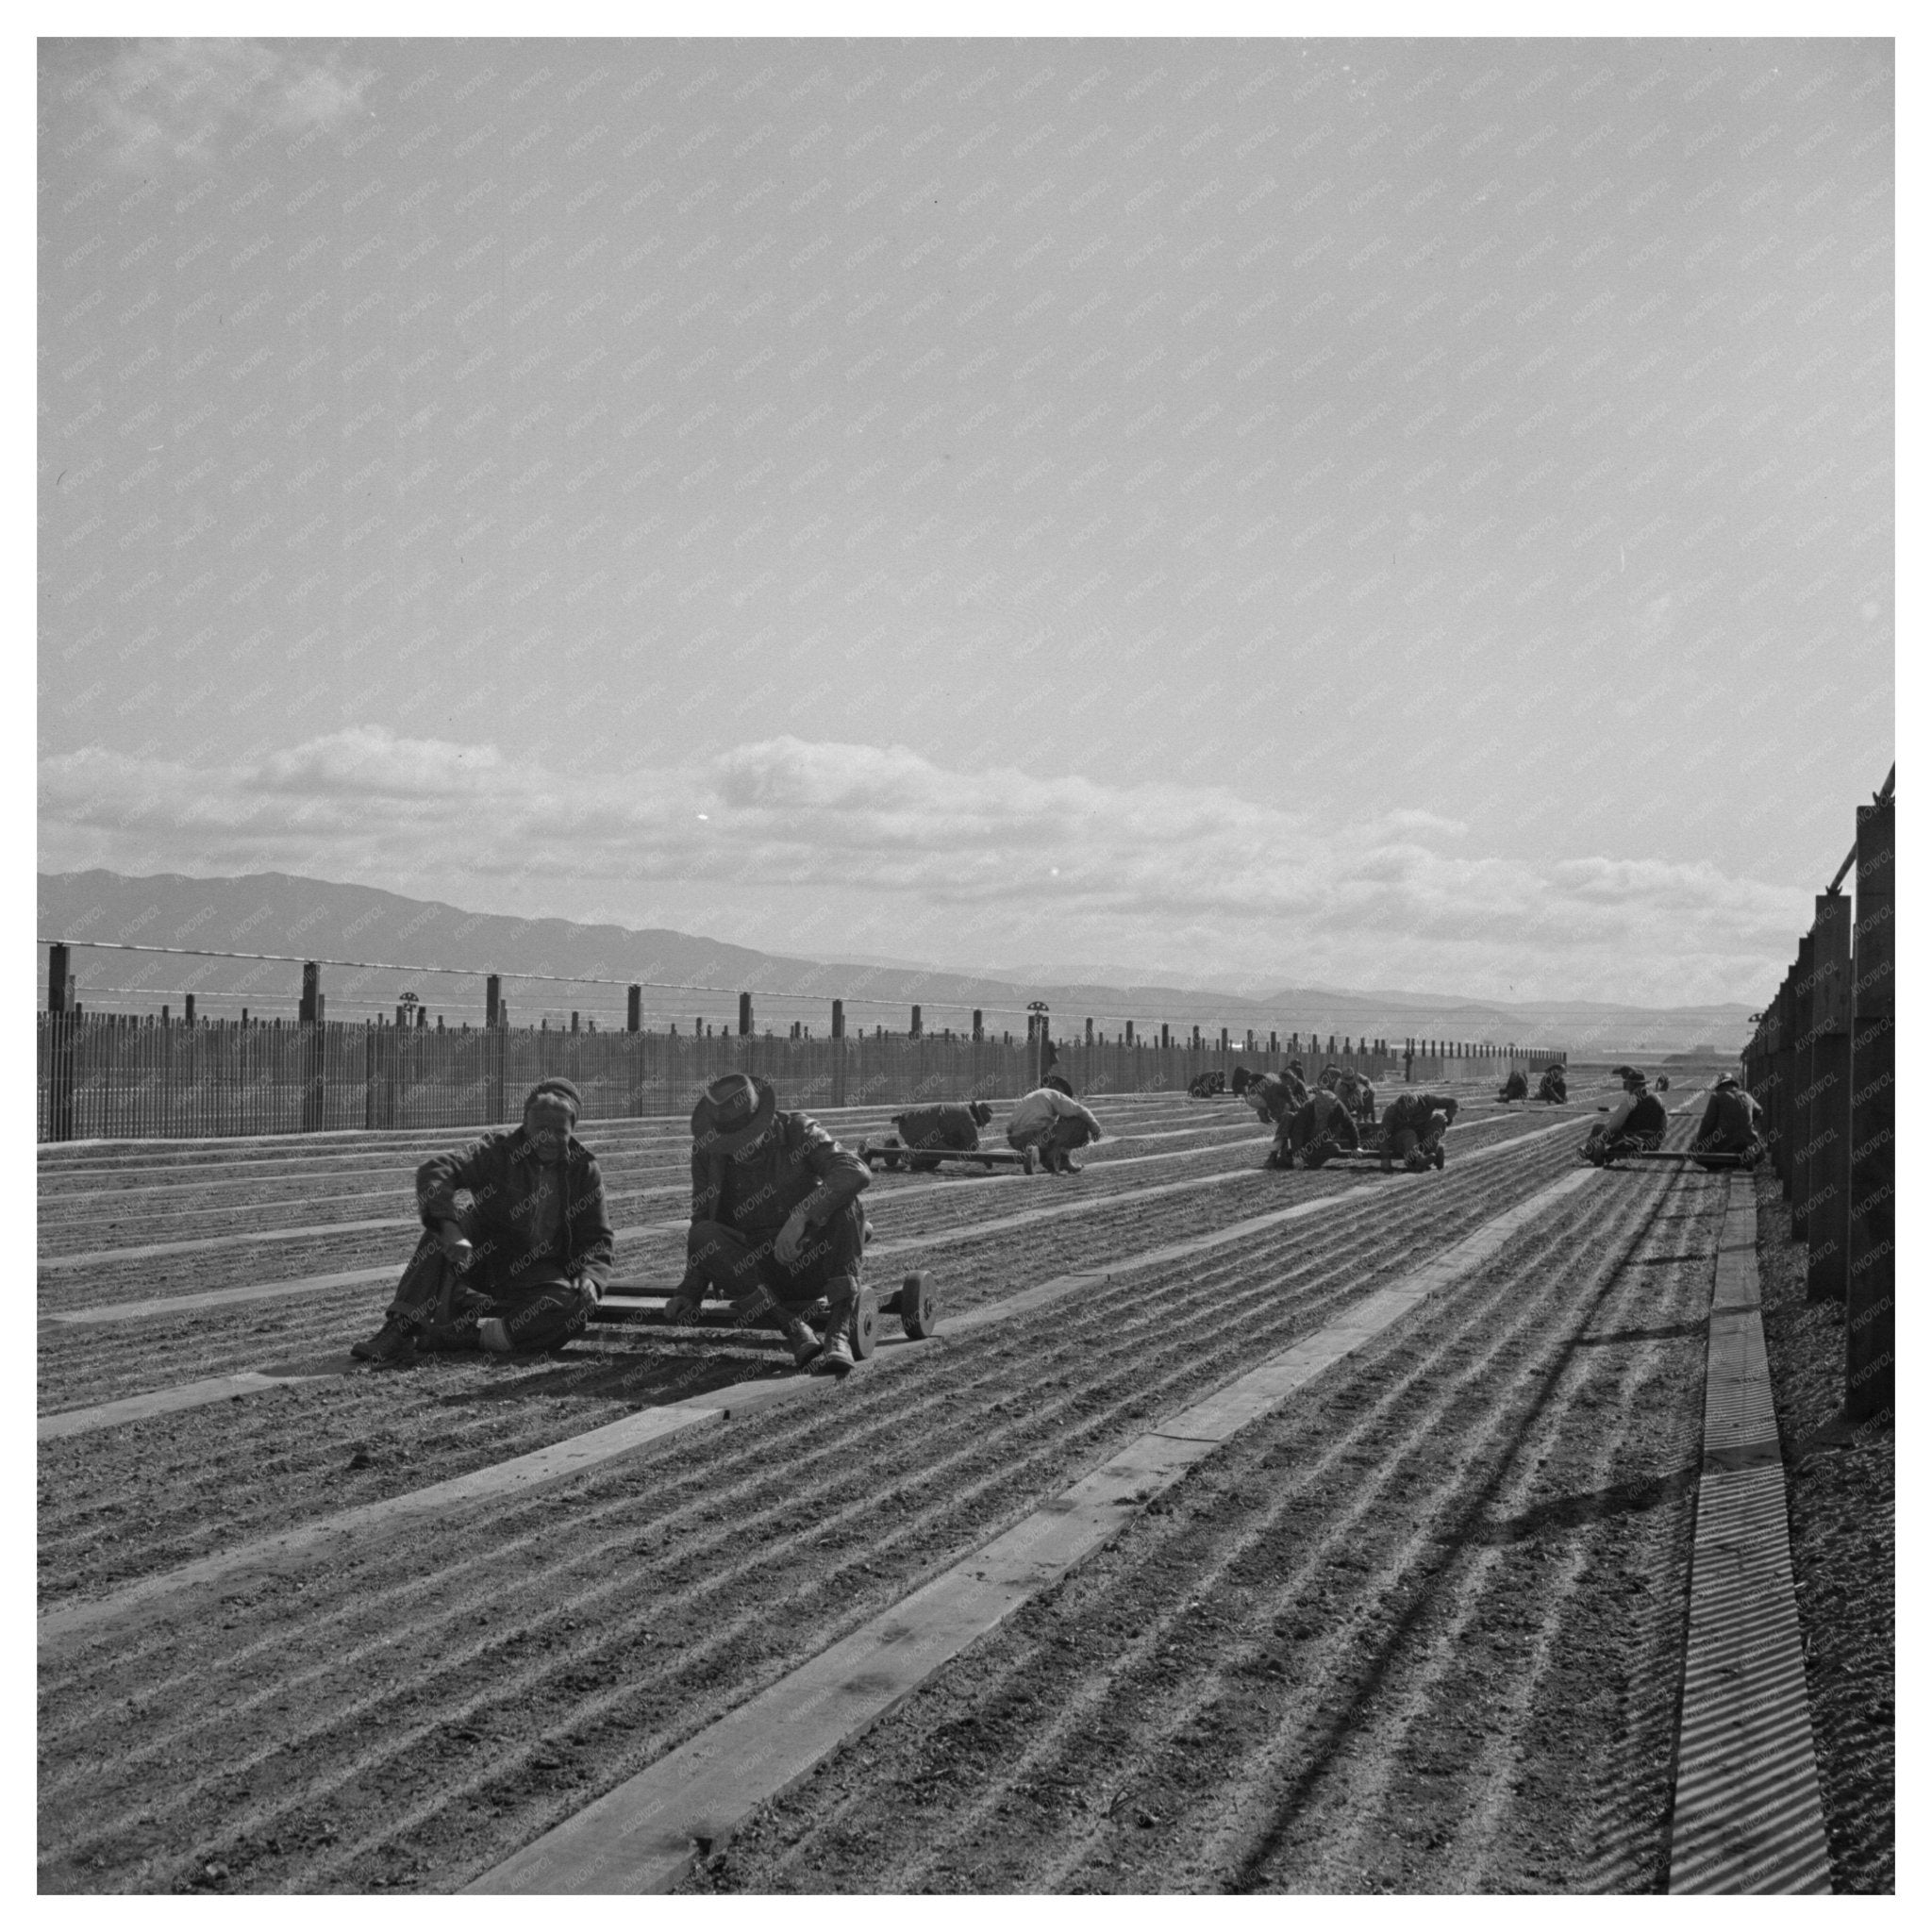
column 170, row 99
column 808, row 847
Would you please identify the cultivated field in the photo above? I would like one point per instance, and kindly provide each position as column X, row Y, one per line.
column 1418, row 1628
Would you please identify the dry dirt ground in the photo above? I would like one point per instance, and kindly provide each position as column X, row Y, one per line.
column 1417, row 1630
column 1839, row 1495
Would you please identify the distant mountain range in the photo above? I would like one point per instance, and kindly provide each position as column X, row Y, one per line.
column 280, row 913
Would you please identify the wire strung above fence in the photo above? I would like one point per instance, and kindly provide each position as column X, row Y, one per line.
column 1253, row 1019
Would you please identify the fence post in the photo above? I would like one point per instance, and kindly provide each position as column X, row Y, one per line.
column 493, row 1000
column 1829, row 1169
column 498, row 1051
column 918, row 1027
column 979, row 1024
column 744, row 1016
column 60, row 1028
column 839, row 1050
column 634, row 1010
column 309, row 1016
column 1869, row 1327
column 1805, row 1110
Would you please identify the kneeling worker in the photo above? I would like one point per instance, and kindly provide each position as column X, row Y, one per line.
column 1553, row 1086
column 1636, row 1124
column 1413, row 1128
column 518, row 1270
column 950, row 1124
column 1516, row 1087
column 776, row 1223
column 1730, row 1124
column 1054, row 1124
column 1320, row 1127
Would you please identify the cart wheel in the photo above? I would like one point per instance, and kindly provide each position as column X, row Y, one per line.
column 1030, row 1161
column 917, row 1308
column 864, row 1328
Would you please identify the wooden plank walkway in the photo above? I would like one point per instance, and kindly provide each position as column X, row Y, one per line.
column 644, row 1835
column 1748, row 1817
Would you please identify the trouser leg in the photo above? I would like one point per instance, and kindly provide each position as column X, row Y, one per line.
column 1067, row 1133
column 764, row 1288
column 421, row 1290
column 545, row 1316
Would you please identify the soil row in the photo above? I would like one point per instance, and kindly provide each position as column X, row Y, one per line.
column 1418, row 1632
column 118, row 1502
column 411, row 1713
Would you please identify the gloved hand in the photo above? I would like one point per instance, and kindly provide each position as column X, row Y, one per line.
column 790, row 1237
column 456, row 1244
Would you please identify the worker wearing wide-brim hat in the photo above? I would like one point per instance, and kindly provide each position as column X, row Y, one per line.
column 1635, row 1124
column 775, row 1223
column 1730, row 1123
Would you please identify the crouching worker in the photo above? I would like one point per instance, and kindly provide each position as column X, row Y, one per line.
column 1730, row 1124
column 1553, row 1086
column 1273, row 1099
column 950, row 1124
column 1636, row 1124
column 1320, row 1127
column 520, row 1270
column 1413, row 1130
column 775, row 1223
column 1053, row 1123
column 1516, row 1087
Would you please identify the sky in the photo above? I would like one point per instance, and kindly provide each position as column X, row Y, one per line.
column 1364, row 513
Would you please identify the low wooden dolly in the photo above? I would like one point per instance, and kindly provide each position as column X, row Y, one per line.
column 635, row 1304
column 892, row 1154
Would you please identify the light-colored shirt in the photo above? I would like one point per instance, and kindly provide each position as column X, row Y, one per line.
column 1034, row 1112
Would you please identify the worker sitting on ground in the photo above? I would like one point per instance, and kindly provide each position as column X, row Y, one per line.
column 1515, row 1087
column 1730, row 1124
column 1206, row 1086
column 521, row 1267
column 1636, row 1124
column 1413, row 1130
column 1240, row 1081
column 1054, row 1123
column 1320, row 1127
column 1553, row 1086
column 949, row 1123
column 775, row 1223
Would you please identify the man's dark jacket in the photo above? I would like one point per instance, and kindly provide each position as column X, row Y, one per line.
column 1411, row 1110
column 1730, row 1122
column 945, row 1124
column 530, row 1223
column 755, row 1190
column 1322, row 1113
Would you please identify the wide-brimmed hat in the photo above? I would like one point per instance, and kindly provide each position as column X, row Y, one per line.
column 980, row 1111
column 736, row 1108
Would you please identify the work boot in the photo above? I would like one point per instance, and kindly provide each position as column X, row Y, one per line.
column 804, row 1343
column 1438, row 1155
column 492, row 1333
column 1068, row 1164
column 395, row 1341
column 834, row 1358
